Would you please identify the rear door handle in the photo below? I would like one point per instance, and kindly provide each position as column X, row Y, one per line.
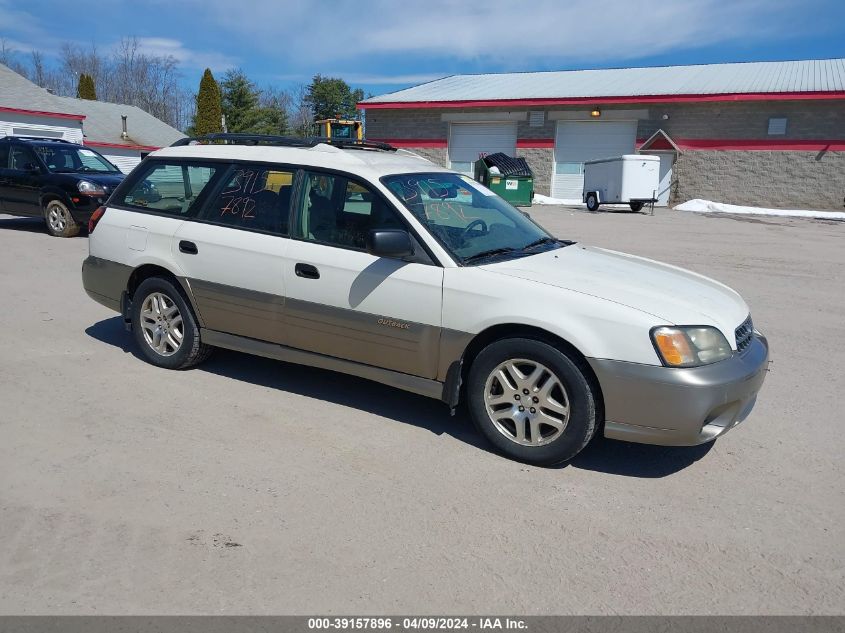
column 307, row 271
column 188, row 247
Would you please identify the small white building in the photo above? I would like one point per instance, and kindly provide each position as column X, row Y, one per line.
column 124, row 134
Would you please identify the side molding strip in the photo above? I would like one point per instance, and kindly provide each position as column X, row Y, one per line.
column 406, row 382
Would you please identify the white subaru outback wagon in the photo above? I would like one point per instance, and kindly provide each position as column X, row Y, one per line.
column 374, row 262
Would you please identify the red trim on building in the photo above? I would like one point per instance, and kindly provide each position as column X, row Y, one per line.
column 684, row 144
column 492, row 103
column 142, row 148
column 53, row 115
column 756, row 145
column 526, row 143
column 412, row 142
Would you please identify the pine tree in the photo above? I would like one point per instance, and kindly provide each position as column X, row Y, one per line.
column 240, row 102
column 207, row 119
column 331, row 96
column 85, row 88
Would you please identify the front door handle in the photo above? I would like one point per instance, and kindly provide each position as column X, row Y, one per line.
column 307, row 271
column 188, row 247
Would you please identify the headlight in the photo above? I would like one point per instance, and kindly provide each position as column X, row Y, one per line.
column 90, row 188
column 690, row 346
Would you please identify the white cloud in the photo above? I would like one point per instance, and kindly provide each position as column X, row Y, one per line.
column 513, row 34
column 187, row 57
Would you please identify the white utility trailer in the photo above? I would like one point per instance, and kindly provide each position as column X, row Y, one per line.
column 632, row 179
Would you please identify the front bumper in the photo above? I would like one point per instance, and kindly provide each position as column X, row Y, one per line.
column 680, row 407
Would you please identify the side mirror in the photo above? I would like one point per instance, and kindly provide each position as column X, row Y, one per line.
column 389, row 243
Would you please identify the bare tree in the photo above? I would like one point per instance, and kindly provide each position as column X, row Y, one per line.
column 9, row 57
column 300, row 115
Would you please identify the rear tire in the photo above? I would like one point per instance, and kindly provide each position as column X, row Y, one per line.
column 60, row 222
column 164, row 326
column 533, row 402
column 636, row 206
column 592, row 202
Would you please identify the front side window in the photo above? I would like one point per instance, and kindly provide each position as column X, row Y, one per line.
column 21, row 158
column 254, row 197
column 61, row 159
column 472, row 222
column 341, row 212
column 170, row 188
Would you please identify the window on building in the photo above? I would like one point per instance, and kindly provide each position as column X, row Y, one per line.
column 341, row 212
column 170, row 188
column 255, row 197
column 536, row 118
column 777, row 126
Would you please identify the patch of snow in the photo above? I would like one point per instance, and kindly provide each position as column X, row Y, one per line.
column 575, row 202
column 707, row 206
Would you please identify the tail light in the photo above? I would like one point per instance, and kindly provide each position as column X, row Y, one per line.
column 95, row 217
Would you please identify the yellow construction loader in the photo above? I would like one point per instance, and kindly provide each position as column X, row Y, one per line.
column 341, row 129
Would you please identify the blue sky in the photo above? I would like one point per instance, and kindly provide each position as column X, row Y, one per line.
column 385, row 45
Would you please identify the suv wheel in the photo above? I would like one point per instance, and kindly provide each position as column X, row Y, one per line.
column 60, row 222
column 532, row 401
column 164, row 326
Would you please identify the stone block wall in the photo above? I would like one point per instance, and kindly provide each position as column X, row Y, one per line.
column 786, row 180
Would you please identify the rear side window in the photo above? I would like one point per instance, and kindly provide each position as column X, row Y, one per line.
column 4, row 155
column 168, row 188
column 253, row 197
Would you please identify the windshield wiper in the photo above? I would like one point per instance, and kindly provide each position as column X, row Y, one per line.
column 548, row 240
column 541, row 241
column 491, row 253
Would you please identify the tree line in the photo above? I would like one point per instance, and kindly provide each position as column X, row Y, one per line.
column 153, row 83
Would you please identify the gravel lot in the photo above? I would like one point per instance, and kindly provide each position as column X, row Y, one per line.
column 252, row 486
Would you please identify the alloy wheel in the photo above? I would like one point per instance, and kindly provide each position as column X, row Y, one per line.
column 161, row 323
column 526, row 402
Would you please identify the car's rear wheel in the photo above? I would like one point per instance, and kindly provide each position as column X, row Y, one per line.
column 60, row 222
column 164, row 326
column 532, row 401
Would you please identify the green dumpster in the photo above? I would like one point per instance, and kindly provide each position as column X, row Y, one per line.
column 508, row 177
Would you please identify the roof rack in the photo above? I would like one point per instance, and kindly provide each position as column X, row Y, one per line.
column 40, row 138
column 283, row 141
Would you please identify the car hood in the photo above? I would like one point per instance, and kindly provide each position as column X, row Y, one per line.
column 672, row 294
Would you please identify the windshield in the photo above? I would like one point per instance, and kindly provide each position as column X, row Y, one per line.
column 74, row 159
column 468, row 219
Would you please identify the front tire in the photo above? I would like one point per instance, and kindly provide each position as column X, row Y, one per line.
column 636, row 206
column 60, row 222
column 164, row 326
column 533, row 402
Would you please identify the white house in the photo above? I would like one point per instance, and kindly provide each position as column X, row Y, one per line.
column 124, row 134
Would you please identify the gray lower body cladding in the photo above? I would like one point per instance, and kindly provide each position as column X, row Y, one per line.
column 680, row 407
column 105, row 281
column 643, row 403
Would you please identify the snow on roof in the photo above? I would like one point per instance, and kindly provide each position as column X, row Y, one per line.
column 813, row 75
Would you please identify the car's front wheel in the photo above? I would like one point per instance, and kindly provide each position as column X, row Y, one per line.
column 164, row 326
column 60, row 222
column 532, row 401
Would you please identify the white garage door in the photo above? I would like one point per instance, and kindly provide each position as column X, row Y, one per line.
column 469, row 140
column 579, row 141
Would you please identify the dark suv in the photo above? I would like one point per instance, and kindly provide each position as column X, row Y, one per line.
column 57, row 180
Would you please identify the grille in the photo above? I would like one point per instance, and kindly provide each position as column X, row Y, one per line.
column 744, row 334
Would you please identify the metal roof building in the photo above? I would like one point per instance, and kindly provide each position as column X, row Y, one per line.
column 765, row 133
column 795, row 78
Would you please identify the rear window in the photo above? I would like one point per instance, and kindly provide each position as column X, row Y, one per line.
column 168, row 188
